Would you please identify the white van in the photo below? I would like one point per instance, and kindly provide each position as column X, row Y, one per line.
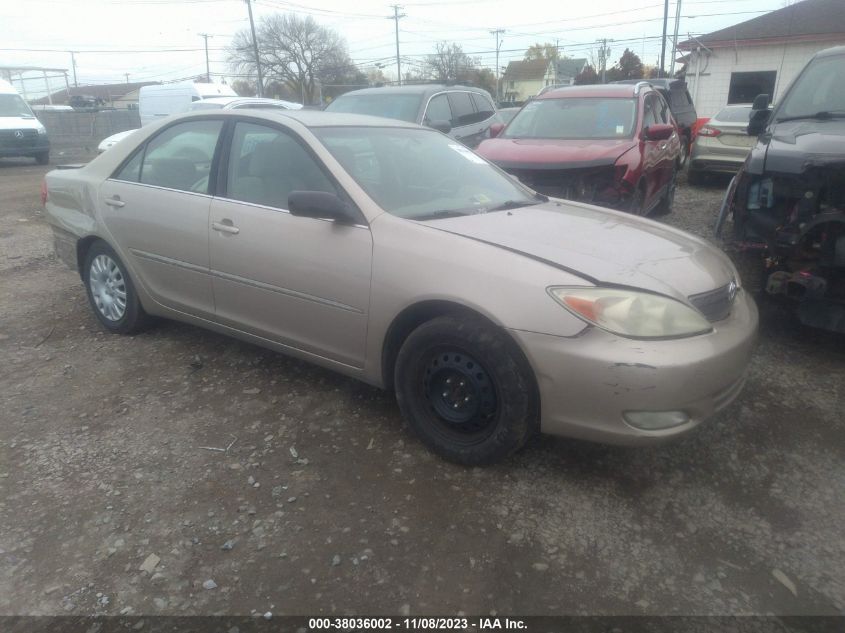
column 163, row 100
column 155, row 102
column 21, row 134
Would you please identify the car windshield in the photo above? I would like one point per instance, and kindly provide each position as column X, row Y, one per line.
column 420, row 174
column 820, row 88
column 392, row 106
column 734, row 115
column 575, row 118
column 13, row 105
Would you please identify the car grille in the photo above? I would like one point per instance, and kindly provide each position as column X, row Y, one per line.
column 10, row 138
column 593, row 184
column 716, row 304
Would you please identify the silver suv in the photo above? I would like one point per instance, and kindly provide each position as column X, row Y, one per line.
column 463, row 112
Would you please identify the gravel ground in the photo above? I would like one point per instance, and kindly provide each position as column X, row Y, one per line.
column 323, row 503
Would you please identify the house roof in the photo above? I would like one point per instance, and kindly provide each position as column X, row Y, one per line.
column 802, row 20
column 570, row 67
column 105, row 92
column 529, row 70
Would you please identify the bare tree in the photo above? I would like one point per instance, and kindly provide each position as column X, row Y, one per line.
column 294, row 50
column 449, row 62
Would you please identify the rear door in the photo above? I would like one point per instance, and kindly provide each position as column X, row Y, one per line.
column 465, row 125
column 155, row 207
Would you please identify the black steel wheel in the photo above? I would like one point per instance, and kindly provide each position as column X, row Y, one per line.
column 466, row 390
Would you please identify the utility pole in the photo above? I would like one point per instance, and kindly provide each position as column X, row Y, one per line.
column 497, row 33
column 205, row 36
column 396, row 17
column 604, row 53
column 675, row 39
column 127, row 77
column 255, row 50
column 73, row 64
column 663, row 41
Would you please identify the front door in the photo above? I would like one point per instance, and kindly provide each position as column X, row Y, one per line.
column 156, row 210
column 302, row 282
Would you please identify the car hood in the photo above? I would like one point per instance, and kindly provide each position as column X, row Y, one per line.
column 602, row 246
column 796, row 145
column 551, row 154
column 19, row 123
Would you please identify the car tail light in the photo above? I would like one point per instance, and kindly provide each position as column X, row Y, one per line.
column 44, row 193
column 709, row 131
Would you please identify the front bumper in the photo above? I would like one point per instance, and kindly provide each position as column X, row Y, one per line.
column 24, row 147
column 587, row 382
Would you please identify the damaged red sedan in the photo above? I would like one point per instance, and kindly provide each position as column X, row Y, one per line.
column 614, row 146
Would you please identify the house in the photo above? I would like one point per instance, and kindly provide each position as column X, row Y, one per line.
column 524, row 79
column 759, row 56
column 121, row 95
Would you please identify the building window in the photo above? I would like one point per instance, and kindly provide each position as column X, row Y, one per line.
column 746, row 86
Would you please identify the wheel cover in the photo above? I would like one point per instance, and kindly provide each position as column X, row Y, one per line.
column 460, row 392
column 108, row 287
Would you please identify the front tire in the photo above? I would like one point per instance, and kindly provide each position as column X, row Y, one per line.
column 112, row 295
column 465, row 390
column 668, row 201
column 42, row 158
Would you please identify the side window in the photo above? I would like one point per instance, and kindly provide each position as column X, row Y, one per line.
column 438, row 109
column 266, row 165
column 649, row 116
column 484, row 107
column 180, row 157
column 463, row 112
column 131, row 171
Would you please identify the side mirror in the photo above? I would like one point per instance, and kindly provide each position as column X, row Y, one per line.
column 659, row 132
column 496, row 129
column 441, row 126
column 320, row 204
column 759, row 115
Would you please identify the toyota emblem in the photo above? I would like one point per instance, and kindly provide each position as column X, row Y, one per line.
column 18, row 133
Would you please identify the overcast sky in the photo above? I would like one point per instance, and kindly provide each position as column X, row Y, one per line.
column 138, row 37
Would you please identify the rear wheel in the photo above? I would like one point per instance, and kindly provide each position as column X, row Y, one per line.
column 665, row 206
column 465, row 391
column 110, row 291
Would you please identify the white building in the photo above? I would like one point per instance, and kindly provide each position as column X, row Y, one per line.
column 760, row 56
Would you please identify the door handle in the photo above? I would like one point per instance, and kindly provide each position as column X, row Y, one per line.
column 115, row 201
column 225, row 228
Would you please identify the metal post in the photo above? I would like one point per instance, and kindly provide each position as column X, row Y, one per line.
column 205, row 36
column 127, row 77
column 497, row 32
column 663, row 41
column 47, row 86
column 675, row 39
column 73, row 63
column 255, row 50
column 396, row 17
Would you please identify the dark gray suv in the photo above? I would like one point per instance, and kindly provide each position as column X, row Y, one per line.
column 464, row 112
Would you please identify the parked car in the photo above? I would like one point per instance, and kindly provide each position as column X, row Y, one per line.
column 680, row 102
column 507, row 114
column 390, row 253
column 85, row 103
column 21, row 134
column 463, row 112
column 721, row 145
column 788, row 199
column 213, row 103
column 611, row 145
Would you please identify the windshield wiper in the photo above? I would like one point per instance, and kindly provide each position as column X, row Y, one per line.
column 823, row 115
column 436, row 215
column 516, row 204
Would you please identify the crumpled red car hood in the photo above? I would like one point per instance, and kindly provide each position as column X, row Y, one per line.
column 547, row 153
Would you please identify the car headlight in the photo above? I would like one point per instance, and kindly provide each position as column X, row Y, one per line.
column 42, row 131
column 631, row 313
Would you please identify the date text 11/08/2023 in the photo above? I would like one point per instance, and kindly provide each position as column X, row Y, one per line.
column 416, row 624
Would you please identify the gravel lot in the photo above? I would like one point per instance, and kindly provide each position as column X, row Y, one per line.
column 323, row 503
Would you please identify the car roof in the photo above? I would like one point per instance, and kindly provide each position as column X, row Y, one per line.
column 308, row 118
column 665, row 83
column 597, row 90
column 415, row 89
column 830, row 52
column 227, row 100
